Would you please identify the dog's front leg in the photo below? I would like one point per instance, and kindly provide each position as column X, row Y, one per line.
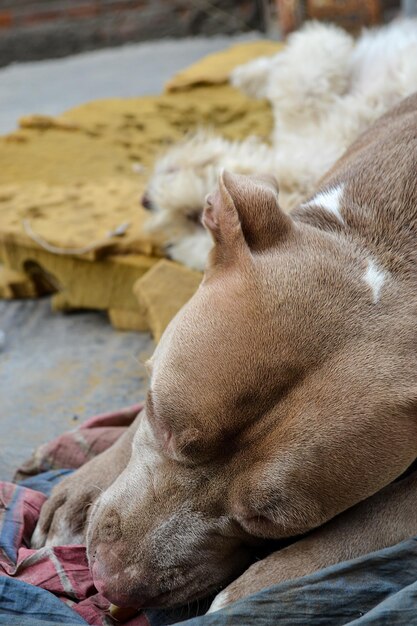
column 383, row 520
column 64, row 515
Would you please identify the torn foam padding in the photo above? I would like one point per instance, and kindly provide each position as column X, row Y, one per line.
column 215, row 68
column 163, row 291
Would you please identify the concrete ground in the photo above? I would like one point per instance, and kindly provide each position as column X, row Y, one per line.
column 55, row 369
column 51, row 87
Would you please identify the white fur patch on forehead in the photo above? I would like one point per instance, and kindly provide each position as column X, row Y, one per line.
column 375, row 278
column 329, row 200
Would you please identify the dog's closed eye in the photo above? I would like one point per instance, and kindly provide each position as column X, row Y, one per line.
column 256, row 524
column 256, row 519
column 195, row 216
column 255, row 507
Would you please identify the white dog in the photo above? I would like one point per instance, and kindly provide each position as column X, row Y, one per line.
column 325, row 88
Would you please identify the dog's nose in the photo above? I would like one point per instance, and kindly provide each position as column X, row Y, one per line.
column 146, row 202
column 117, row 586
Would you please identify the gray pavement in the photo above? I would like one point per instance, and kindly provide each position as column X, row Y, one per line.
column 51, row 87
column 55, row 369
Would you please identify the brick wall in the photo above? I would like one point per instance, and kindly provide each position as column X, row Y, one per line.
column 37, row 29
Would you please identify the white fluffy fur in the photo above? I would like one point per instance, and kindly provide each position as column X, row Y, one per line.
column 325, row 88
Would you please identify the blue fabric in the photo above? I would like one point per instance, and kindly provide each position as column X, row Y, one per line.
column 8, row 526
column 378, row 589
column 178, row 615
column 46, row 481
column 22, row 604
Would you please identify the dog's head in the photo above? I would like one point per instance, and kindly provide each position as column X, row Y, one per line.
column 180, row 182
column 274, row 404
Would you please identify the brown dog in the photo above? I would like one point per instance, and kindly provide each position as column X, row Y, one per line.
column 281, row 395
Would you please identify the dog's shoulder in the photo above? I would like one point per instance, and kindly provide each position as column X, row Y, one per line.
column 371, row 192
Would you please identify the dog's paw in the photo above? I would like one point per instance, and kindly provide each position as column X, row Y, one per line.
column 220, row 602
column 64, row 515
column 258, row 576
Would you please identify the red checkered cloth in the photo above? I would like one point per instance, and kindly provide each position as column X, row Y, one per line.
column 61, row 570
column 76, row 447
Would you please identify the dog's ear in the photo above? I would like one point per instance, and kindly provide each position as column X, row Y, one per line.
column 244, row 214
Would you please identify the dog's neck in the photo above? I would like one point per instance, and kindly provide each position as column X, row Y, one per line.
column 370, row 196
column 376, row 228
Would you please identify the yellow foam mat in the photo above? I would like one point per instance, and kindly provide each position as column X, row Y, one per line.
column 215, row 68
column 15, row 284
column 71, row 184
column 163, row 291
column 75, row 186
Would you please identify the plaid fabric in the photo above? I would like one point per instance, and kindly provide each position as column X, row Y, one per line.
column 76, row 447
column 61, row 571
column 54, row 585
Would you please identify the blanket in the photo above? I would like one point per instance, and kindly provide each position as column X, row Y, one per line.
column 54, row 586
